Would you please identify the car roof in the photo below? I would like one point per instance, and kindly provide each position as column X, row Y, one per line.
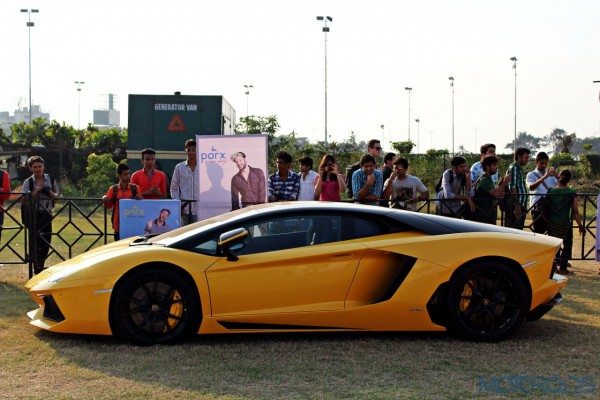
column 426, row 223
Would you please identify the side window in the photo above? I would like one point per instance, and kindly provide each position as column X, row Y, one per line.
column 291, row 232
column 359, row 227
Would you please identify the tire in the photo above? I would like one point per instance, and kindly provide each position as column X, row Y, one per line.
column 154, row 306
column 487, row 302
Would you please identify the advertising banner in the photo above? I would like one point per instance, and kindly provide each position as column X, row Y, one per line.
column 233, row 172
column 148, row 217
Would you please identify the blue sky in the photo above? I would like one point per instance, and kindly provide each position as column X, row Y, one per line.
column 375, row 50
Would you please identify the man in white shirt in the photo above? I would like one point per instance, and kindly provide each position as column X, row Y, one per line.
column 307, row 179
column 488, row 149
column 184, row 185
column 539, row 181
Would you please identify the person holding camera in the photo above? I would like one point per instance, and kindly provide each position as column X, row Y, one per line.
column 403, row 190
column 41, row 189
column 330, row 184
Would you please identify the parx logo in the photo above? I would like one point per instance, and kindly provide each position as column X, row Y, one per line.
column 213, row 155
column 134, row 212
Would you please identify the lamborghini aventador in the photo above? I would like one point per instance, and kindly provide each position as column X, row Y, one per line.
column 289, row 267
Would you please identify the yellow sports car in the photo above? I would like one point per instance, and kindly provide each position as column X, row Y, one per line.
column 289, row 267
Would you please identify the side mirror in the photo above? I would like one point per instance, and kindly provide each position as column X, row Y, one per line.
column 229, row 239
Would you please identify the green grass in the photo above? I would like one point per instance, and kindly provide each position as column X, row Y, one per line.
column 36, row 364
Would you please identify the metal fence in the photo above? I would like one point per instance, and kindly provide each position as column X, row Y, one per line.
column 81, row 224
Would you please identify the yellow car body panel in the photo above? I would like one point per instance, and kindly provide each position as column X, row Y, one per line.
column 343, row 285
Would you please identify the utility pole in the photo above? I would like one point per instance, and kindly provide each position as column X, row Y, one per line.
column 325, row 31
column 29, row 25
column 514, row 60
column 248, row 87
column 409, row 90
column 79, row 83
column 418, row 133
column 452, row 86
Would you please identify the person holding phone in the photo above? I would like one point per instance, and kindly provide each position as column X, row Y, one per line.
column 539, row 181
column 330, row 184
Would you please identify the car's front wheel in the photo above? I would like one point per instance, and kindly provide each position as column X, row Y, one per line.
column 154, row 305
column 487, row 301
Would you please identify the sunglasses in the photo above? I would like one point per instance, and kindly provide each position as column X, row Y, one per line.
column 378, row 148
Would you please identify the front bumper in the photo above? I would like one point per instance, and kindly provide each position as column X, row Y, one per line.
column 542, row 309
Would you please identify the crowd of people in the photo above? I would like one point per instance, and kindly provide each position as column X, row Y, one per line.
column 473, row 193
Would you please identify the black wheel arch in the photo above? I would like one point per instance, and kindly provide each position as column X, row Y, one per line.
column 436, row 306
column 176, row 269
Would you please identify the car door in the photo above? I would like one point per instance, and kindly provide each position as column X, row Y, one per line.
column 287, row 264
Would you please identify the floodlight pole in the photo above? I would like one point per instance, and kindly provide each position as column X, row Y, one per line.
column 408, row 89
column 248, row 87
column 325, row 30
column 514, row 60
column 452, row 86
column 79, row 83
column 29, row 24
column 418, row 133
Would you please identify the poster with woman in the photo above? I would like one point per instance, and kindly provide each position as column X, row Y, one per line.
column 233, row 173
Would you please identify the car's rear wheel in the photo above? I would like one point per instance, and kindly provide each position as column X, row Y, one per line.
column 487, row 302
column 154, row 305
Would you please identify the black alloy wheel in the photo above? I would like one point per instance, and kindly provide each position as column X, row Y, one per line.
column 153, row 306
column 487, row 302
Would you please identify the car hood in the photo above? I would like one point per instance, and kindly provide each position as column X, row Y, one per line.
column 86, row 260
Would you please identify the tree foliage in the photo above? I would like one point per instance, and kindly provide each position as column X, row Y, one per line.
column 29, row 134
column 100, row 174
column 527, row 141
column 252, row 124
column 403, row 147
column 560, row 140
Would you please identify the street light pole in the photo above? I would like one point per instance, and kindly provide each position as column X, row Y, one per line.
column 325, row 30
column 79, row 83
column 248, row 87
column 452, row 86
column 418, row 133
column 29, row 24
column 514, row 60
column 408, row 89
column 382, row 134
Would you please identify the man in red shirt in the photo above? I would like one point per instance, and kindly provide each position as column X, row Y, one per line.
column 122, row 190
column 152, row 182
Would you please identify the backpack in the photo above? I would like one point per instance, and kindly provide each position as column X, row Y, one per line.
column 438, row 186
column 115, row 189
column 349, row 171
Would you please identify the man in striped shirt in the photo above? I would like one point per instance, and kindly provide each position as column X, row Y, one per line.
column 514, row 215
column 184, row 184
column 284, row 185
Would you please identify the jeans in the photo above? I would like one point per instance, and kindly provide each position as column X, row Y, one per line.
column 40, row 237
